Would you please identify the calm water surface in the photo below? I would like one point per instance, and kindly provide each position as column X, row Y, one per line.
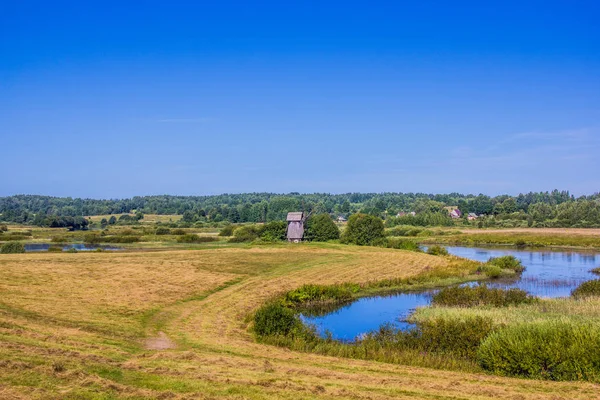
column 34, row 247
column 548, row 274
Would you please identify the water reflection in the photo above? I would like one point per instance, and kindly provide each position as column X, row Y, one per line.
column 548, row 274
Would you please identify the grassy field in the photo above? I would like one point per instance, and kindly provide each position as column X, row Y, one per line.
column 533, row 237
column 174, row 325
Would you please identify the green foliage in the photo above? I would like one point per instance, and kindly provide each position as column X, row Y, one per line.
column 459, row 337
column 227, row 230
column 492, row 271
column 193, row 238
column 72, row 250
column 320, row 293
column 363, row 229
column 178, row 232
column 402, row 244
column 245, row 233
column 12, row 248
column 544, row 350
column 507, row 262
column 480, row 295
column 437, row 250
column 275, row 319
column 321, row 228
column 595, row 271
column 587, row 289
column 3, row 228
column 55, row 249
column 272, row 231
column 162, row 231
column 112, row 220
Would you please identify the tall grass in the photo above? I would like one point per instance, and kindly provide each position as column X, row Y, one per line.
column 481, row 295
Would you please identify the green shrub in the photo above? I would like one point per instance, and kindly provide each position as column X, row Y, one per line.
column 92, row 238
column 59, row 239
column 436, row 250
column 12, row 248
column 178, row 232
column 72, row 250
column 459, row 337
column 55, row 249
column 507, row 262
column 363, row 229
column 480, row 295
column 492, row 271
column 120, row 239
column 274, row 230
column 162, row 231
column 596, row 271
column 402, row 244
column 321, row 228
column 275, row 319
column 227, row 230
column 320, row 293
column 193, row 238
column 3, row 228
column 245, row 233
column 587, row 289
column 544, row 350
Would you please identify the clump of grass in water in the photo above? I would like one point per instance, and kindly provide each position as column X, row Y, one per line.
column 587, row 289
column 437, row 250
column 596, row 271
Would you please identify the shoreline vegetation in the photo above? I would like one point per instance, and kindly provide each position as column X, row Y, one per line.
column 474, row 329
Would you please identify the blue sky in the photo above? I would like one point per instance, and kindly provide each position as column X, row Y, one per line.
column 116, row 99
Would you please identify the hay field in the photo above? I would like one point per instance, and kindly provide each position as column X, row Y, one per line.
column 174, row 325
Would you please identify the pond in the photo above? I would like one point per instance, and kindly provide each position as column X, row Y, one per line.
column 37, row 247
column 547, row 274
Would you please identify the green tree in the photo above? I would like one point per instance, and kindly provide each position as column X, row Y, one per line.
column 112, row 220
column 321, row 228
column 363, row 229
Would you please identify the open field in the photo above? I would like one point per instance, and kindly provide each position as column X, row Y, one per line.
column 174, row 324
column 534, row 237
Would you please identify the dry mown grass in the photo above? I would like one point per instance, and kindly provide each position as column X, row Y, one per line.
column 73, row 326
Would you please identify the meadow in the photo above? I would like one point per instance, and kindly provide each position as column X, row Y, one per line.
column 174, row 323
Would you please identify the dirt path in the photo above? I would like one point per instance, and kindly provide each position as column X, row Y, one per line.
column 160, row 342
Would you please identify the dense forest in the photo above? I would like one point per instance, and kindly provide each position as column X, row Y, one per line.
column 556, row 208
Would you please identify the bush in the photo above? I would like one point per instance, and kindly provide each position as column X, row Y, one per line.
column 245, row 233
column 587, row 289
column 275, row 319
column 480, row 295
column 544, row 350
column 402, row 244
column 72, row 250
column 120, row 239
column 460, row 337
column 596, row 271
column 12, row 248
column 55, row 249
column 437, row 251
column 321, row 228
column 227, row 230
column 3, row 228
column 363, row 229
column 274, row 230
column 507, row 262
column 321, row 293
column 193, row 238
column 492, row 271
column 162, row 231
column 178, row 232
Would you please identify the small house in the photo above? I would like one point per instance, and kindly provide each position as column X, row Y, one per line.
column 295, row 226
column 456, row 213
column 472, row 216
column 341, row 219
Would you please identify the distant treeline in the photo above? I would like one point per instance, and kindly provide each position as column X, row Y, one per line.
column 556, row 208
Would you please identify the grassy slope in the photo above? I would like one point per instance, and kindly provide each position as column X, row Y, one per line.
column 74, row 325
